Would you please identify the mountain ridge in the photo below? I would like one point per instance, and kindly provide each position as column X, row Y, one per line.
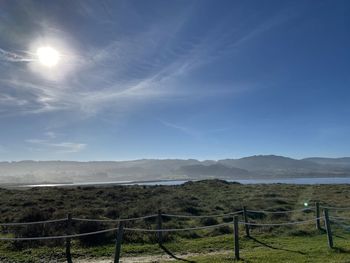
column 257, row 166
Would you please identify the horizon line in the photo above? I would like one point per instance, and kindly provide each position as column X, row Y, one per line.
column 171, row 158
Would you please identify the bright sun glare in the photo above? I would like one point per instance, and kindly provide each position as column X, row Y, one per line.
column 48, row 56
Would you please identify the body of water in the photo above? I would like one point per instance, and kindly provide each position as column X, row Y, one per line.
column 322, row 180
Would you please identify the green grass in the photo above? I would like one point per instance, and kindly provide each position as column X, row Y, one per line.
column 286, row 249
column 263, row 248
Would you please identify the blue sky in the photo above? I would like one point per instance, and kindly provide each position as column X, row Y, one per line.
column 174, row 79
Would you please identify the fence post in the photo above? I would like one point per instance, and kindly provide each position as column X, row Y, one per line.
column 159, row 227
column 118, row 242
column 236, row 236
column 245, row 217
column 69, row 232
column 317, row 207
column 328, row 228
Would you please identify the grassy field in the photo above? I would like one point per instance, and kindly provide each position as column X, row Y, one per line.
column 261, row 248
column 271, row 244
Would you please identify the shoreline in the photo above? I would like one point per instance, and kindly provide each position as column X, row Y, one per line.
column 169, row 182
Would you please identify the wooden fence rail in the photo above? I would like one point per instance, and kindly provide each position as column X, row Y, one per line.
column 159, row 227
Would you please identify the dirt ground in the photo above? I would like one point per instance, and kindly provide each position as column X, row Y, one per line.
column 148, row 259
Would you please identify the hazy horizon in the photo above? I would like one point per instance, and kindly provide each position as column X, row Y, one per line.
column 173, row 158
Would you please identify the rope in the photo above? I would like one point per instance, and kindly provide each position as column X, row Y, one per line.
column 280, row 224
column 203, row 216
column 145, row 230
column 339, row 218
column 335, row 208
column 150, row 230
column 150, row 216
column 109, row 230
column 177, row 229
column 57, row 237
column 113, row 220
column 344, row 226
column 34, row 223
column 278, row 212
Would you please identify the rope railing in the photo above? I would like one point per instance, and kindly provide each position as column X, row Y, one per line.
column 335, row 208
column 338, row 220
column 341, row 224
column 280, row 212
column 178, row 216
column 57, row 237
column 203, row 216
column 153, row 216
column 152, row 230
column 113, row 229
column 114, row 220
column 33, row 223
column 178, row 229
column 280, row 224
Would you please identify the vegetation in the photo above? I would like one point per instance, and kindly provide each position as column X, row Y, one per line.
column 199, row 198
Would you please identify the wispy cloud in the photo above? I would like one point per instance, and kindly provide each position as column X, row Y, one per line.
column 69, row 147
column 194, row 132
column 51, row 135
column 122, row 72
column 13, row 57
column 189, row 131
column 60, row 147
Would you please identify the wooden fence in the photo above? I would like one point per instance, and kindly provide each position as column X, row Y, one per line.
column 245, row 213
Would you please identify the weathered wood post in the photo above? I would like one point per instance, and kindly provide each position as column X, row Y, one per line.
column 69, row 232
column 159, row 227
column 236, row 236
column 118, row 242
column 317, row 207
column 245, row 217
column 328, row 228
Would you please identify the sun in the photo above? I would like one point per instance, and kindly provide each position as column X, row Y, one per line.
column 48, row 56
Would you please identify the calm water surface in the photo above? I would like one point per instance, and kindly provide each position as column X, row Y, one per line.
column 324, row 180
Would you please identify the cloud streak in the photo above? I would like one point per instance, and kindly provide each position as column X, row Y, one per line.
column 181, row 128
column 13, row 57
column 58, row 147
column 123, row 72
column 195, row 133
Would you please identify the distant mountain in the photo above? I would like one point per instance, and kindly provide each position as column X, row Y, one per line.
column 336, row 162
column 260, row 166
column 67, row 171
column 213, row 171
column 272, row 163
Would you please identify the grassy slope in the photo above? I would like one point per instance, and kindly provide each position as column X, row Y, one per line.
column 220, row 249
column 202, row 198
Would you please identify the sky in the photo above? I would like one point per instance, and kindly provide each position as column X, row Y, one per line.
column 174, row 79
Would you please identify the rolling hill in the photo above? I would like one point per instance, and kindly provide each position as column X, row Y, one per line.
column 260, row 166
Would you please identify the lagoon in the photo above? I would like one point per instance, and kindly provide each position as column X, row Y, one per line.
column 308, row 181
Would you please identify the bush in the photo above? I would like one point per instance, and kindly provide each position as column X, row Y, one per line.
column 209, row 221
column 37, row 230
column 222, row 230
column 192, row 210
column 93, row 240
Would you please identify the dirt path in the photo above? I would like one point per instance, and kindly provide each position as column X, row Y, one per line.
column 152, row 259
column 143, row 259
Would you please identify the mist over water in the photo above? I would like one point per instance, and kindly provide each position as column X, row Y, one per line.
column 309, row 181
